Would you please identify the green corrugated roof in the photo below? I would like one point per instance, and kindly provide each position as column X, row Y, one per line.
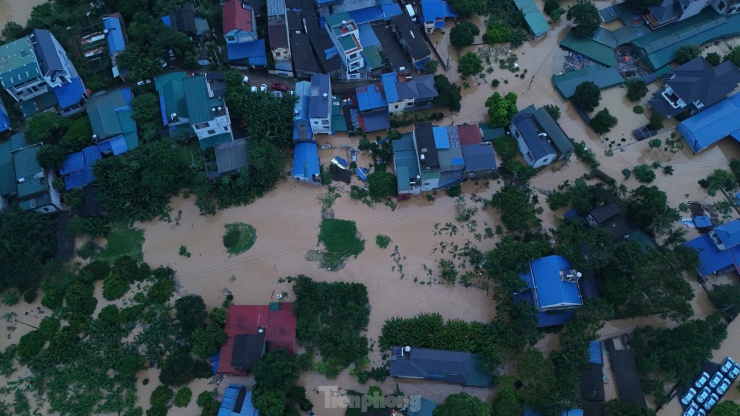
column 337, row 18
column 7, row 181
column 197, row 100
column 27, row 168
column 170, row 89
column 101, row 110
column 490, row 133
column 338, row 123
column 660, row 46
column 17, row 62
column 430, row 174
column 347, row 43
column 603, row 77
column 533, row 16
column 590, row 48
column 374, row 60
column 38, row 103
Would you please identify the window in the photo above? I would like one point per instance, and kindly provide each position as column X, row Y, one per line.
column 200, row 126
column 395, row 106
column 230, row 38
column 226, row 128
column 325, row 122
column 277, row 54
column 211, row 132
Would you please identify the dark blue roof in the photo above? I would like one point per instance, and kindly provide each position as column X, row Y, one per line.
column 361, row 174
column 305, row 160
column 368, row 14
column 116, row 145
column 70, row 94
column 550, row 318
column 571, row 412
column 729, row 233
column 376, row 120
column 367, row 36
column 550, row 290
column 712, row 125
column 711, row 259
column 254, row 51
column 370, row 97
column 436, row 9
column 390, row 8
column 594, row 353
column 116, row 42
column 529, row 130
column 4, row 119
column 77, row 168
column 73, row 163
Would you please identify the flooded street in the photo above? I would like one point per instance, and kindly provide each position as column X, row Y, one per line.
column 17, row 11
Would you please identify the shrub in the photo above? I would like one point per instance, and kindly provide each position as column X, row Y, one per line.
column 656, row 121
column 586, row 155
column 553, row 111
column 239, row 237
column 183, row 396
column 636, row 89
column 205, row 398
column 11, row 298
column 340, row 241
column 586, row 96
column 638, row 109
column 495, row 83
column 382, row 241
column 603, row 121
column 627, row 173
column 496, row 33
column 644, row 173
column 115, row 286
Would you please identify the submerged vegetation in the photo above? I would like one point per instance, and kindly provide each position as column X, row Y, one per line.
column 239, row 237
column 341, row 241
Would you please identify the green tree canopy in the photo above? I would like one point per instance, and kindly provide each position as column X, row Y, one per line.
column 725, row 408
column 51, row 156
column 506, row 402
column 276, row 370
column 517, row 208
column 636, row 89
column 191, row 312
column 466, row 8
column 382, row 185
column 501, row 109
column 719, row 179
column 616, row 407
column 727, row 298
column 470, row 64
column 603, row 121
column 147, row 115
column 27, row 241
column 462, row 404
column 463, row 34
column 586, row 96
column 687, row 52
column 207, row 340
column 12, row 31
column 648, row 206
column 733, row 56
column 448, row 93
column 585, row 17
column 47, row 127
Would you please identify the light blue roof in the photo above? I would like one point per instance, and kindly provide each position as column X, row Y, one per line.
column 231, row 395
column 712, row 125
column 367, row 36
column 389, row 85
column 729, row 233
column 70, row 94
column 550, row 290
column 390, row 8
column 4, row 118
column 116, row 42
column 305, row 160
column 441, row 139
column 595, row 355
column 166, row 20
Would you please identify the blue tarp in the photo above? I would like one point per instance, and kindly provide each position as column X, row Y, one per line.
column 390, row 8
column 163, row 110
column 712, row 125
column 367, row 36
column 215, row 359
column 550, row 290
column 116, row 145
column 230, row 399
column 166, row 20
column 729, row 233
column 361, row 174
column 457, row 161
column 441, row 139
column 419, row 65
column 331, row 52
column 368, row 14
column 594, row 353
column 116, row 42
column 305, row 160
column 571, row 412
column 702, row 221
column 436, row 9
column 70, row 94
column 389, row 85
column 4, row 118
column 711, row 259
column 252, row 51
column 370, row 98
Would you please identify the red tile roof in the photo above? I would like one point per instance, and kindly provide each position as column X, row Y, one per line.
column 246, row 319
column 469, row 134
column 237, row 17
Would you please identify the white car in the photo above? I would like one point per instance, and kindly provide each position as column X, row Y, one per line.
column 691, row 411
column 703, row 395
column 254, row 89
column 734, row 372
column 711, row 401
column 727, row 365
column 714, row 382
column 723, row 386
column 689, row 396
column 263, row 87
column 702, row 380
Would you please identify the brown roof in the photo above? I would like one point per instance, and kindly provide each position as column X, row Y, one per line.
column 469, row 134
column 278, row 36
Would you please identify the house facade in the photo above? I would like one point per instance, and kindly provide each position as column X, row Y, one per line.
column 411, row 39
column 319, row 111
column 670, row 11
column 239, row 21
column 540, row 138
column 36, row 72
column 22, row 178
column 406, row 93
column 695, row 86
column 277, row 30
column 345, row 35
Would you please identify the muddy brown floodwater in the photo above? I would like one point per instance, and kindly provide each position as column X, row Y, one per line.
column 17, row 10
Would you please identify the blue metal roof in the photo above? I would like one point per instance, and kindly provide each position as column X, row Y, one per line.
column 370, row 97
column 4, row 118
column 367, row 36
column 230, row 399
column 441, row 139
column 573, row 412
column 361, row 174
column 368, row 14
column 423, row 407
column 712, row 125
column 550, row 290
column 390, row 8
column 375, row 120
column 77, row 168
column 594, row 353
column 305, row 160
column 711, row 259
column 73, row 163
column 702, row 221
column 729, row 233
column 116, row 145
column 166, row 21
column 253, row 51
column 553, row 318
column 436, row 9
column 116, row 42
column 389, row 85
column 70, row 94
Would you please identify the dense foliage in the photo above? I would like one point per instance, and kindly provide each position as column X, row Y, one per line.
column 616, row 407
column 340, row 240
column 648, row 206
column 448, row 93
column 470, row 64
column 719, row 179
column 636, row 89
column 382, row 185
column 586, row 96
column 331, row 319
column 585, row 17
column 687, row 52
column 462, row 404
column 239, row 237
column 27, row 241
column 429, row 330
column 726, row 298
column 501, row 109
column 466, row 8
column 517, row 207
column 603, row 121
column 463, row 34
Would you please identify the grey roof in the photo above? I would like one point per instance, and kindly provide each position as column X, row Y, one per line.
column 479, row 157
column 46, row 52
column 320, row 40
column 627, row 378
column 293, row 4
column 697, row 80
column 320, row 96
column 231, row 156
column 411, row 35
column 392, row 51
column 605, row 212
column 295, row 22
column 556, row 134
column 304, row 61
column 418, row 88
column 456, row 367
column 183, row 19
column 667, row 11
column 425, row 145
column 530, row 130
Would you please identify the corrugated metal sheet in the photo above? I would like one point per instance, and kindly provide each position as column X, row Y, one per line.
column 603, row 77
column 712, row 125
column 536, row 21
column 711, row 259
column 590, row 48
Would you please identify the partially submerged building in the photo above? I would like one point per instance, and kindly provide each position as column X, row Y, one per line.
column 610, row 217
column 22, row 178
column 538, row 26
column 695, row 86
column 718, row 250
column 411, row 39
column 552, row 287
column 320, row 104
column 404, row 92
column 604, row 78
column 712, row 125
column 240, row 31
column 434, row 13
column 372, row 109
column 345, row 34
column 540, row 138
column 306, row 163
column 36, row 72
column 456, row 367
column 669, row 11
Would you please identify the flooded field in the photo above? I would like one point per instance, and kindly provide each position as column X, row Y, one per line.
column 17, row 10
